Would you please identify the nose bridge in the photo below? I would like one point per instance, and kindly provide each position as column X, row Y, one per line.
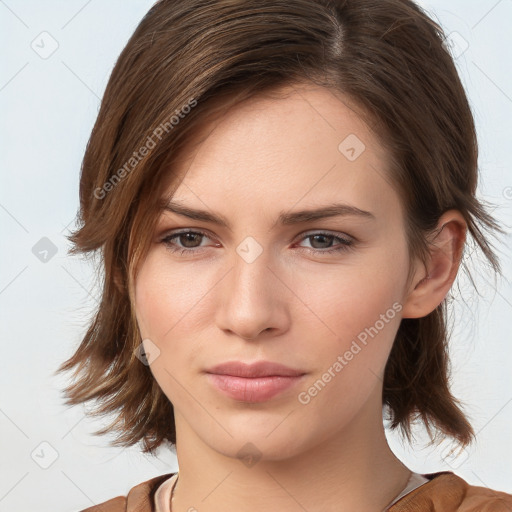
column 250, row 277
column 250, row 301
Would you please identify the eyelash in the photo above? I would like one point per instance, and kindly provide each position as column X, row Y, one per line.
column 345, row 244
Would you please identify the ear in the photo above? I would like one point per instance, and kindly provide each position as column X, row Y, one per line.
column 430, row 286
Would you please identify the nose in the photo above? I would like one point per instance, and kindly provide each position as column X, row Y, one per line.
column 252, row 299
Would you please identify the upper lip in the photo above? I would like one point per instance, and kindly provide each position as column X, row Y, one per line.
column 257, row 369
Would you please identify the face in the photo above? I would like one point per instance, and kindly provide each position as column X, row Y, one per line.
column 318, row 293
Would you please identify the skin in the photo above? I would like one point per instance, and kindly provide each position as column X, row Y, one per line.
column 293, row 304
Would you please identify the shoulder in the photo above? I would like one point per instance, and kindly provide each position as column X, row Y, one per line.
column 447, row 492
column 114, row 505
column 139, row 498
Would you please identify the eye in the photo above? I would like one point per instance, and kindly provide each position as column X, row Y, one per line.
column 325, row 241
column 188, row 238
column 189, row 242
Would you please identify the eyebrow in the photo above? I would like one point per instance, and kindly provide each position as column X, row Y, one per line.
column 284, row 219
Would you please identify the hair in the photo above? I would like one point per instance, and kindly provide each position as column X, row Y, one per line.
column 190, row 59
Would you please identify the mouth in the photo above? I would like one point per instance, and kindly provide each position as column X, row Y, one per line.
column 256, row 382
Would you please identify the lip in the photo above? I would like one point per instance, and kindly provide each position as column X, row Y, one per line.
column 257, row 369
column 256, row 382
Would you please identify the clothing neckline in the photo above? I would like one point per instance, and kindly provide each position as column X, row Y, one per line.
column 415, row 480
column 163, row 494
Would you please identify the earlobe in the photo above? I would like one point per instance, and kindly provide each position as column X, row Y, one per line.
column 431, row 285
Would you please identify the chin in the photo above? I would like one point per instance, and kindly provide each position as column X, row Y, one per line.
column 257, row 441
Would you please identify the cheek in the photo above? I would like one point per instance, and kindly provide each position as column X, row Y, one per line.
column 164, row 297
column 355, row 297
column 363, row 316
column 170, row 304
column 360, row 311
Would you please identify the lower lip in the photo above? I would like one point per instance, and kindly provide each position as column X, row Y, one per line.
column 257, row 389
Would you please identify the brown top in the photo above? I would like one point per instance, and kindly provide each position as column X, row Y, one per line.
column 445, row 492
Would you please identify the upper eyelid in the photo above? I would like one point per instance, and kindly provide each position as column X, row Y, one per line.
column 184, row 231
column 301, row 236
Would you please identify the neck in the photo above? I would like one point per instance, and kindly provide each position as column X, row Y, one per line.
column 352, row 470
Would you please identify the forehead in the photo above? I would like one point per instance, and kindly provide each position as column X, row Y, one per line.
column 298, row 143
column 309, row 112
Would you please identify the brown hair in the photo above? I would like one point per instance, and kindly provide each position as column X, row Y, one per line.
column 386, row 56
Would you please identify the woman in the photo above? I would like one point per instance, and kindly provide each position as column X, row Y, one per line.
column 281, row 194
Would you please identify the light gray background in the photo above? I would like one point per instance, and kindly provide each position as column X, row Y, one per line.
column 48, row 108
